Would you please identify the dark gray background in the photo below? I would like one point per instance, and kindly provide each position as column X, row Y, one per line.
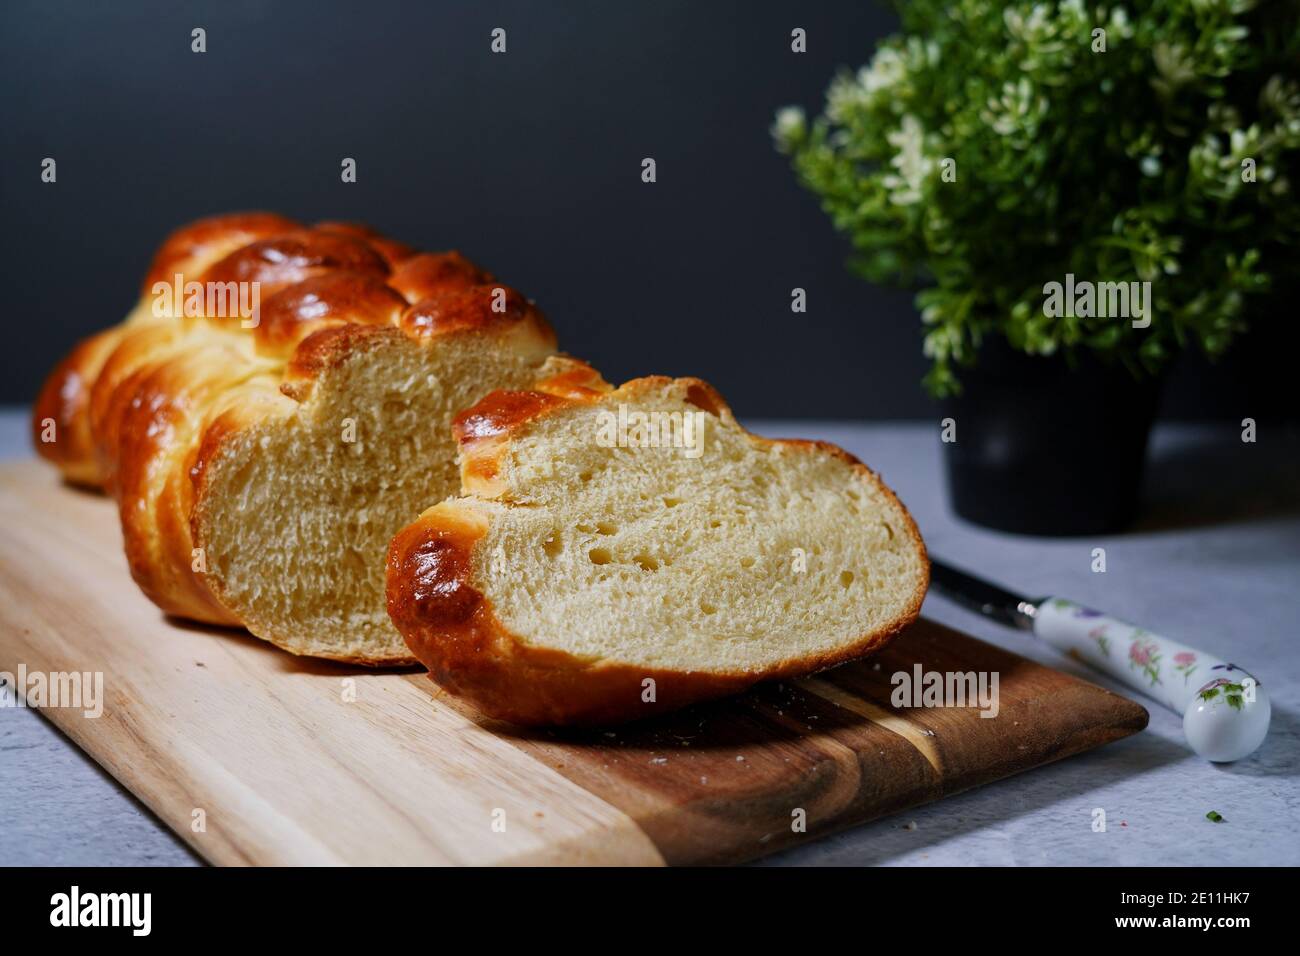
column 528, row 162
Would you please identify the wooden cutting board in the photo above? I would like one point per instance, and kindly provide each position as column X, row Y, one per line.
column 254, row 756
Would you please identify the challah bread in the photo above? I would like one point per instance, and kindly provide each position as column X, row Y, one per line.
column 262, row 471
column 608, row 539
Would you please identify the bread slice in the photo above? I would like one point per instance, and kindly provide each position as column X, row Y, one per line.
column 262, row 472
column 620, row 553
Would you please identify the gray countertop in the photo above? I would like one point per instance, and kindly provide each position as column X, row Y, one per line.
column 1214, row 562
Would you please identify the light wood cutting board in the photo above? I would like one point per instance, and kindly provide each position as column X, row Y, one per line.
column 255, row 756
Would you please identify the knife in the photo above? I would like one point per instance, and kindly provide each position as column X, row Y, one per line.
column 1225, row 710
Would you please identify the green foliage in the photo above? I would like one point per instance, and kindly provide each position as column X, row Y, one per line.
column 1122, row 165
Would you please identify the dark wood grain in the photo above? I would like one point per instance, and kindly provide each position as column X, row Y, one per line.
column 719, row 783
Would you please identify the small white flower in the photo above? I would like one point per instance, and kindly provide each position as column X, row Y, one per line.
column 1073, row 7
column 886, row 69
column 911, row 162
column 789, row 125
column 844, row 96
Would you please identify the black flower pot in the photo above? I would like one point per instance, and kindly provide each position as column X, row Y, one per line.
column 1047, row 446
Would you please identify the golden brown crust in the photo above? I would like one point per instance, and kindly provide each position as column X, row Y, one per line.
column 449, row 624
column 503, row 411
column 569, row 377
column 431, row 273
column 284, row 260
column 192, row 248
column 142, row 409
column 61, row 429
column 467, row 308
column 393, row 251
column 334, row 298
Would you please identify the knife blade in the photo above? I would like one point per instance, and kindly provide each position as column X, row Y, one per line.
column 983, row 597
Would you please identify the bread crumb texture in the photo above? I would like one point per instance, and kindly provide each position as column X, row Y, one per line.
column 609, row 535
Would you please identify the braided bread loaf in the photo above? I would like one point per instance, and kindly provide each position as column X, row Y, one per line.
column 621, row 553
column 261, row 471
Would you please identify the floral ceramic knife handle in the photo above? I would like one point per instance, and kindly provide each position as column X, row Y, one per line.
column 1225, row 710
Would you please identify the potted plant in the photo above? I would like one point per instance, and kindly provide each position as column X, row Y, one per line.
column 1020, row 163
